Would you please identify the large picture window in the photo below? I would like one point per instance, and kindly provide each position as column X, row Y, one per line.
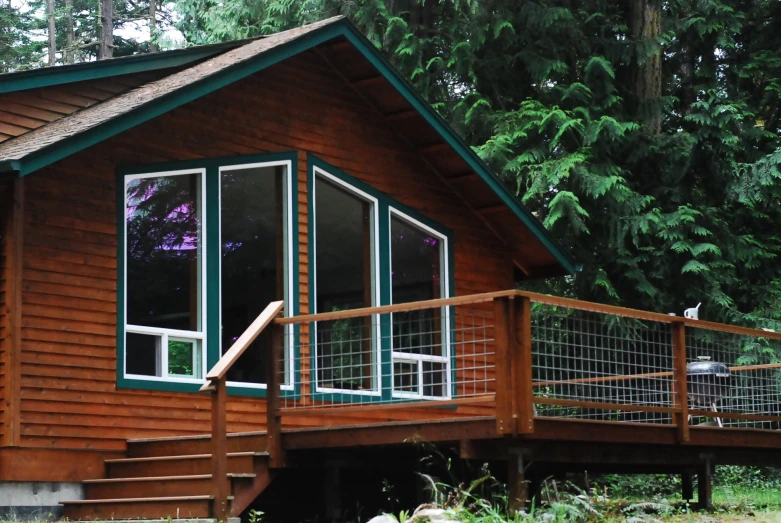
column 368, row 250
column 254, row 250
column 345, row 278
column 418, row 273
column 164, row 275
column 194, row 282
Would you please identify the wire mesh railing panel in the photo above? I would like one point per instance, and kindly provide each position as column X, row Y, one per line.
column 733, row 374
column 413, row 357
column 598, row 366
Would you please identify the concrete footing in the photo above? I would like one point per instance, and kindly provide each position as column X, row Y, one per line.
column 34, row 500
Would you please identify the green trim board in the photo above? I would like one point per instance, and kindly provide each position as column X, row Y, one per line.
column 138, row 63
column 385, row 205
column 338, row 28
column 212, row 256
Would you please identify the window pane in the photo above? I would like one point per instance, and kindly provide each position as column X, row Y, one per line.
column 434, row 378
column 142, row 354
column 344, row 233
column 416, row 275
column 164, row 243
column 184, row 358
column 253, row 259
column 405, row 376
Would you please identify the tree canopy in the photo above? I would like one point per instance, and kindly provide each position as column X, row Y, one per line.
column 643, row 133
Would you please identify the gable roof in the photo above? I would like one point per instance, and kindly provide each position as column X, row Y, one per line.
column 61, row 138
column 63, row 74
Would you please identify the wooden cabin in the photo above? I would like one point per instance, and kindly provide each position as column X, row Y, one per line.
column 228, row 260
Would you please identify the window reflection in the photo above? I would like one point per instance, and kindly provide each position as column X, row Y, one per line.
column 344, row 232
column 164, row 243
column 253, row 259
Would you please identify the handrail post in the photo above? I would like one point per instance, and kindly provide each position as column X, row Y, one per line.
column 219, row 443
column 274, row 370
column 505, row 424
column 681, row 417
column 523, row 388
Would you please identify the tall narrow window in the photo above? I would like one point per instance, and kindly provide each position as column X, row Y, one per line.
column 418, row 272
column 345, row 278
column 254, row 244
column 164, row 275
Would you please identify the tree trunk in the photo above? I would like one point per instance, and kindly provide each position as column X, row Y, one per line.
column 645, row 25
column 153, row 26
column 52, row 32
column 106, row 39
column 70, row 52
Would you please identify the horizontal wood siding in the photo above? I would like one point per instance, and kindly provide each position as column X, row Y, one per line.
column 5, row 206
column 23, row 111
column 69, row 395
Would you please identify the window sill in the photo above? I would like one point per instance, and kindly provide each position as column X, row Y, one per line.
column 194, row 386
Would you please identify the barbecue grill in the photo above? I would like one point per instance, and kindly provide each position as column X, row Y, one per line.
column 707, row 383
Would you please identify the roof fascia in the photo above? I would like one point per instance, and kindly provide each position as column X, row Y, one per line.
column 49, row 76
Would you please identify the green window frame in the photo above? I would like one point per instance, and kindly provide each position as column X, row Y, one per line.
column 210, row 170
column 386, row 207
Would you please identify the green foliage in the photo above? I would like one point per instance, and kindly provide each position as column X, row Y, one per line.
column 546, row 92
column 18, row 48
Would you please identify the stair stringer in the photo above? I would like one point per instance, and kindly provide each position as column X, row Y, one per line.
column 245, row 492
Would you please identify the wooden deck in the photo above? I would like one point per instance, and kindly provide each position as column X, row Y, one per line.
column 159, row 476
column 564, row 386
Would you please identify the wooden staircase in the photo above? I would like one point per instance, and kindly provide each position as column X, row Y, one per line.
column 171, row 477
column 212, row 476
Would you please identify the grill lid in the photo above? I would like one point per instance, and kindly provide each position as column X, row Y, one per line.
column 707, row 368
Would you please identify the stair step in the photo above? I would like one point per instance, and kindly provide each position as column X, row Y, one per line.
column 161, row 486
column 176, row 507
column 199, row 444
column 179, row 465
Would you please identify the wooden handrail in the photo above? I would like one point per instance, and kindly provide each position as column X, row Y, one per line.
column 243, row 342
column 217, row 384
column 401, row 307
column 544, row 299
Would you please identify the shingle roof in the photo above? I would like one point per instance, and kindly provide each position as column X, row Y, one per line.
column 540, row 254
column 81, row 121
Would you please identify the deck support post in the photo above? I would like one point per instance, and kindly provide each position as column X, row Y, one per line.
column 680, row 399
column 521, row 360
column 273, row 374
column 219, row 443
column 687, row 486
column 503, row 348
column 517, row 493
column 705, row 484
column 333, row 492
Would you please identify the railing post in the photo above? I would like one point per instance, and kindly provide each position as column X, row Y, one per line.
column 681, row 417
column 505, row 424
column 220, row 481
column 273, row 373
column 521, row 358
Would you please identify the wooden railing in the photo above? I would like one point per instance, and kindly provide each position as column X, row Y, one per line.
column 519, row 345
column 217, row 384
column 522, row 355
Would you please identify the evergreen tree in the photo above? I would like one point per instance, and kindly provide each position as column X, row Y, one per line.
column 644, row 133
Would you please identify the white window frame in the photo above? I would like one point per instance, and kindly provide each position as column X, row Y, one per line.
column 377, row 378
column 445, row 283
column 290, row 270
column 162, row 333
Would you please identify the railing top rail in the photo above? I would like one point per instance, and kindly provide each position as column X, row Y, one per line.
column 221, row 368
column 535, row 298
column 401, row 307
